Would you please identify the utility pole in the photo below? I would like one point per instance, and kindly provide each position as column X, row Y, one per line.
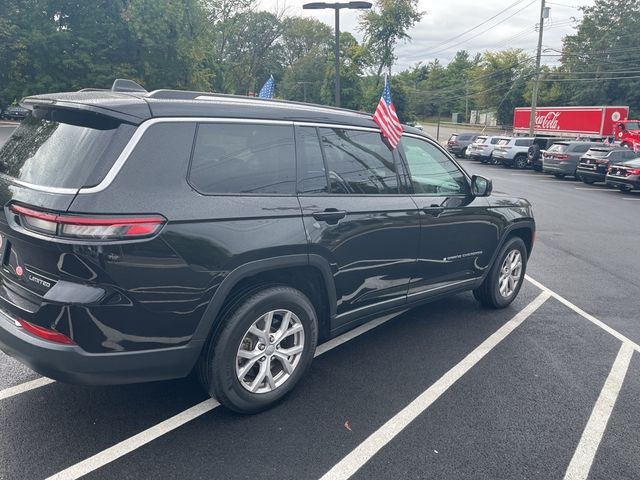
column 534, row 94
column 466, row 104
column 337, row 55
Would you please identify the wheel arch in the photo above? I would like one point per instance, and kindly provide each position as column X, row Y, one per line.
column 310, row 274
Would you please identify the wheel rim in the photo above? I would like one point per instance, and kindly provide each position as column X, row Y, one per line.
column 510, row 273
column 270, row 351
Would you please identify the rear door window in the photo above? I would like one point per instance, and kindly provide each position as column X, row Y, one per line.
column 63, row 149
column 358, row 162
column 248, row 158
column 581, row 148
column 494, row 141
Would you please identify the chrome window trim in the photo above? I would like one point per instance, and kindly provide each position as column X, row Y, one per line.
column 39, row 188
column 335, row 125
column 135, row 139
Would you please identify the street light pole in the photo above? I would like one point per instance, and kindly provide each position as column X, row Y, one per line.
column 534, row 93
column 337, row 7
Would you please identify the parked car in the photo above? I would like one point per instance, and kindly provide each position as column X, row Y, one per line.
column 562, row 157
column 458, row 143
column 534, row 153
column 15, row 112
column 482, row 148
column 512, row 151
column 147, row 235
column 625, row 176
column 595, row 163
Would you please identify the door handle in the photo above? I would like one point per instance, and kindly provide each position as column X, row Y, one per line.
column 433, row 210
column 330, row 215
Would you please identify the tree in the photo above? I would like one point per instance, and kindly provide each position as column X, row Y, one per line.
column 386, row 25
column 351, row 68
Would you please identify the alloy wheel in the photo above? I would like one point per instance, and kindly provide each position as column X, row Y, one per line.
column 510, row 273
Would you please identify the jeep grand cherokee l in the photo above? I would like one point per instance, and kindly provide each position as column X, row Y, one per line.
column 146, row 235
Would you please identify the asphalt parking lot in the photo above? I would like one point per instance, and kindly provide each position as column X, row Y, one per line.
column 547, row 388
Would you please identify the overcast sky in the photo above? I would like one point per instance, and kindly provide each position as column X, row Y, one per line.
column 445, row 19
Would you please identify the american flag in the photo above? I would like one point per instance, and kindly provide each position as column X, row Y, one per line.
column 387, row 118
column 268, row 88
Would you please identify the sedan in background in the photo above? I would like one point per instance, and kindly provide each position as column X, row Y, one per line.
column 594, row 164
column 625, row 176
column 15, row 113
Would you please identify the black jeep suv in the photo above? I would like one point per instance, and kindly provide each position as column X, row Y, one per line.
column 147, row 235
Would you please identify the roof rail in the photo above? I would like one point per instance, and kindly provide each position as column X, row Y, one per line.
column 124, row 85
column 93, row 90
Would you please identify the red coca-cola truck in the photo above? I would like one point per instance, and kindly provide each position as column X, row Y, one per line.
column 586, row 122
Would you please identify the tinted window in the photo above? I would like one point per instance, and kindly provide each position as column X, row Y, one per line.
column 358, row 162
column 232, row 158
column 494, row 141
column 628, row 154
column 431, row 171
column 524, row 143
column 465, row 137
column 313, row 178
column 558, row 148
column 63, row 149
column 480, row 140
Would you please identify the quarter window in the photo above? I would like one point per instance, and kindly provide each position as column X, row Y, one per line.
column 431, row 171
column 232, row 158
column 358, row 162
column 313, row 177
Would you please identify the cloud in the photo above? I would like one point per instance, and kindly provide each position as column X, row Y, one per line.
column 446, row 19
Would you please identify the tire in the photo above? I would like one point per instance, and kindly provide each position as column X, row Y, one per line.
column 489, row 293
column 520, row 162
column 533, row 153
column 463, row 152
column 492, row 160
column 624, row 189
column 587, row 181
column 221, row 366
column 558, row 175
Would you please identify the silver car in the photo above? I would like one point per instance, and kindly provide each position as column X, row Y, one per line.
column 482, row 148
column 562, row 158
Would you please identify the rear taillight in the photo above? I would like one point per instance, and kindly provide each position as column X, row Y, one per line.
column 561, row 156
column 85, row 227
column 633, row 171
column 45, row 333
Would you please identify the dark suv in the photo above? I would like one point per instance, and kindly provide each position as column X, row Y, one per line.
column 145, row 235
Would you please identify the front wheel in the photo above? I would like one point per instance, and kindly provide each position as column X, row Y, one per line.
column 267, row 342
column 503, row 282
column 558, row 175
column 588, row 181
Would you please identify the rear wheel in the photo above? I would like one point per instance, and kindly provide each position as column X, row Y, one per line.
column 463, row 152
column 624, row 189
column 520, row 161
column 558, row 175
column 267, row 342
column 588, row 181
column 503, row 282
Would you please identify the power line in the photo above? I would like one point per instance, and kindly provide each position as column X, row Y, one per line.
column 449, row 40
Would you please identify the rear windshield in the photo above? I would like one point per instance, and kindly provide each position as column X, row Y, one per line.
column 598, row 152
column 558, row 148
column 494, row 140
column 465, row 137
column 480, row 140
column 504, row 141
column 62, row 149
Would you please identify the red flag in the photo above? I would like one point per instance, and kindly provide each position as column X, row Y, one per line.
column 387, row 118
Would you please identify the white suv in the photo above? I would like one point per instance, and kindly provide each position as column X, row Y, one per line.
column 482, row 148
column 512, row 151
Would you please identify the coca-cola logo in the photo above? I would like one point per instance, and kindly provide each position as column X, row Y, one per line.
column 548, row 121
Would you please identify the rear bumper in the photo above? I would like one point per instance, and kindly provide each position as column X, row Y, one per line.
column 455, row 149
column 561, row 167
column 633, row 182
column 72, row 364
column 591, row 175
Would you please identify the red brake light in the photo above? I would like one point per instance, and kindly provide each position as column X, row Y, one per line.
column 562, row 156
column 106, row 228
column 46, row 333
column 633, row 171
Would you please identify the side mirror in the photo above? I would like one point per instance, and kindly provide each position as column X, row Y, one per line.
column 481, row 186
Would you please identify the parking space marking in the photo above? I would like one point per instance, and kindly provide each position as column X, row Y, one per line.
column 130, row 444
column 585, row 453
column 596, row 189
column 351, row 463
column 24, row 387
column 584, row 314
column 635, row 199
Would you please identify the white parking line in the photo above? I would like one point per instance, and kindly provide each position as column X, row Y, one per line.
column 634, row 199
column 381, row 437
column 24, row 387
column 141, row 439
column 582, row 313
column 593, row 432
column 596, row 189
